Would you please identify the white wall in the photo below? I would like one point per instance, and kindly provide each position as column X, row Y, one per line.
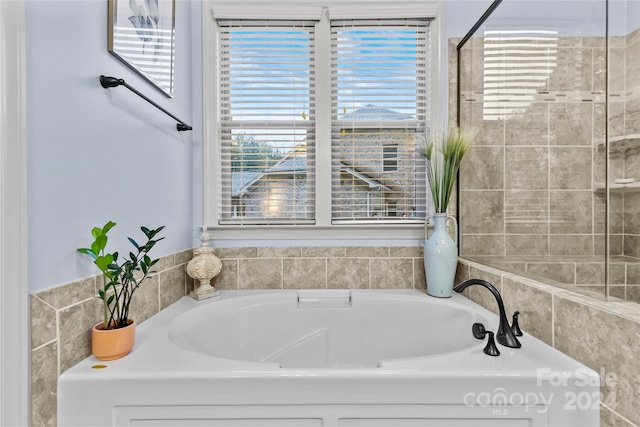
column 633, row 15
column 460, row 15
column 95, row 154
column 197, row 11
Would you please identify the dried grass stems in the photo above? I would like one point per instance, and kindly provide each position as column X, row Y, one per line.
column 444, row 153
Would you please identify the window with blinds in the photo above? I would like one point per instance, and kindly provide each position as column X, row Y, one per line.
column 380, row 105
column 266, row 99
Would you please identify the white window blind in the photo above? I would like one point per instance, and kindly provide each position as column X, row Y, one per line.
column 266, row 97
column 379, row 109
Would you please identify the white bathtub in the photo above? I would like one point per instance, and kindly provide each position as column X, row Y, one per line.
column 327, row 358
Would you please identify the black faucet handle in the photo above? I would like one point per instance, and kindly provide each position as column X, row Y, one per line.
column 479, row 332
column 515, row 327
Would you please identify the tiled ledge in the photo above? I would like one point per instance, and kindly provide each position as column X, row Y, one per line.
column 586, row 274
column 602, row 335
column 62, row 318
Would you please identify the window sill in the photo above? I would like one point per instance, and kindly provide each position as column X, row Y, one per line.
column 345, row 235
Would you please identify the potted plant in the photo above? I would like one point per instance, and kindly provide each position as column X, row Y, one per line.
column 444, row 153
column 115, row 335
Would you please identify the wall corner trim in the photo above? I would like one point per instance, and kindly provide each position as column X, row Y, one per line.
column 14, row 332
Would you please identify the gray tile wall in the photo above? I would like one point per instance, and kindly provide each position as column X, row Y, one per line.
column 624, row 109
column 601, row 335
column 321, row 268
column 62, row 319
column 583, row 273
column 527, row 186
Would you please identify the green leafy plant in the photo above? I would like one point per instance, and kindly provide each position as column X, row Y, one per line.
column 444, row 153
column 120, row 278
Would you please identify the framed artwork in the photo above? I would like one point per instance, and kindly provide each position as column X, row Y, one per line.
column 141, row 34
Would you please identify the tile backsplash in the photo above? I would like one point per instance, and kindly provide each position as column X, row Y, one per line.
column 62, row 318
column 321, row 268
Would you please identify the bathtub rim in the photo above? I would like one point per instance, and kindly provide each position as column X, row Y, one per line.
column 182, row 379
column 154, row 356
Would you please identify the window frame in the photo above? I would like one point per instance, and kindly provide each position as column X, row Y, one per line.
column 274, row 115
column 323, row 230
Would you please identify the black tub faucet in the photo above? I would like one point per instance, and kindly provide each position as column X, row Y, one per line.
column 504, row 335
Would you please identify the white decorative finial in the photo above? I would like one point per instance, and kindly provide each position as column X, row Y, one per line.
column 203, row 267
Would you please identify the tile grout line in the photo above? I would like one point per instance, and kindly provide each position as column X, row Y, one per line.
column 237, row 274
column 618, row 415
column 413, row 274
column 553, row 321
column 35, row 295
column 45, row 344
column 159, row 295
column 186, row 278
column 504, row 189
column 326, row 273
column 548, row 178
column 59, row 349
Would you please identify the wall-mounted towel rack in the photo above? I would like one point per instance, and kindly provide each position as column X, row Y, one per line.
column 108, row 82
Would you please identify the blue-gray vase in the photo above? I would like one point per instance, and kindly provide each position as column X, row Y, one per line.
column 441, row 257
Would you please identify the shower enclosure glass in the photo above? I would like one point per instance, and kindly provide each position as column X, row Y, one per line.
column 551, row 189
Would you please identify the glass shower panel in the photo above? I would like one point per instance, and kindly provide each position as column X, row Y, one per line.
column 624, row 149
column 533, row 79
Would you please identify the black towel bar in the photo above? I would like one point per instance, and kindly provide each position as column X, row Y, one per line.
column 108, row 82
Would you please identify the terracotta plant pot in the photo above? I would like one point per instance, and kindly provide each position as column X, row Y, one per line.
column 111, row 344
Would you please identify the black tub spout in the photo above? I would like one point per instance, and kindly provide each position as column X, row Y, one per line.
column 504, row 335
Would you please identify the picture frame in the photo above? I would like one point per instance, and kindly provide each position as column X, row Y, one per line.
column 141, row 34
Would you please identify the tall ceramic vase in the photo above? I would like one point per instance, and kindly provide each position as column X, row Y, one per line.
column 441, row 257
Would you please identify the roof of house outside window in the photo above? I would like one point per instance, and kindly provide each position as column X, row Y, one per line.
column 373, row 112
